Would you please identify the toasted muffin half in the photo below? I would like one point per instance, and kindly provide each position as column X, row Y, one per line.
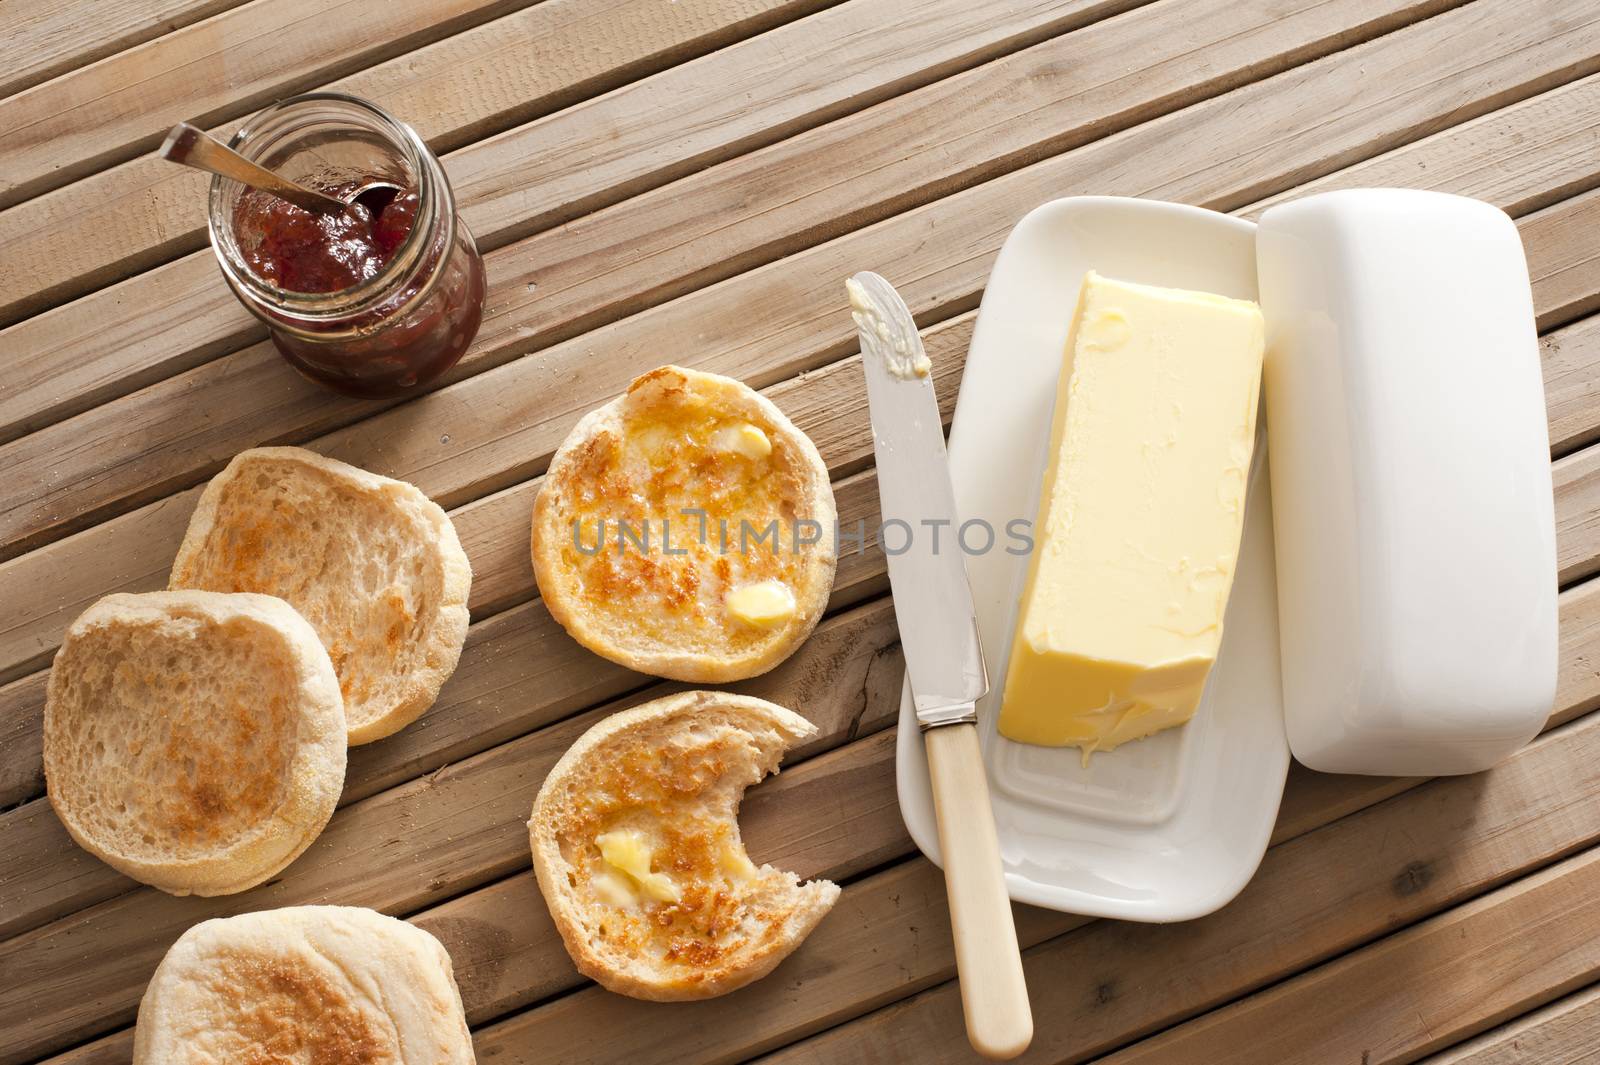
column 636, row 845
column 371, row 562
column 303, row 985
column 686, row 529
column 193, row 740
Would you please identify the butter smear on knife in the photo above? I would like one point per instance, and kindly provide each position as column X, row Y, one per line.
column 1140, row 516
column 904, row 359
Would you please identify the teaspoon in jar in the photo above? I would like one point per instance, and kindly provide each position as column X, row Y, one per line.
column 194, row 147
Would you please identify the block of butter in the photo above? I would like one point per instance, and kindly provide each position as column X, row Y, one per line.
column 1139, row 520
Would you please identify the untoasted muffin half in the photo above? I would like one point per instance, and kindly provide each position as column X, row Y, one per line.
column 371, row 562
column 686, row 529
column 193, row 740
column 636, row 845
column 304, row 985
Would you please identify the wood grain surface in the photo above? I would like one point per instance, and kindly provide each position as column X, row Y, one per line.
column 689, row 182
column 223, row 66
column 1567, row 1030
column 44, row 37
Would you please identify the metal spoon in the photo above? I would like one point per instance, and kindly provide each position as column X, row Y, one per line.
column 194, row 147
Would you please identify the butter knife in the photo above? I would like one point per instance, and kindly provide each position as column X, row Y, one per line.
column 944, row 659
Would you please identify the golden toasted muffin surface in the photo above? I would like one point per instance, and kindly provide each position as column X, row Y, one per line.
column 691, row 519
column 280, row 1013
column 636, row 845
column 681, row 901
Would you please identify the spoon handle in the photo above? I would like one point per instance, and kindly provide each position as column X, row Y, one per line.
column 194, row 147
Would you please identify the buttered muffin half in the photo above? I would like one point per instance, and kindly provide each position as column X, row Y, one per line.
column 686, row 529
column 371, row 562
column 636, row 845
column 304, row 985
column 193, row 740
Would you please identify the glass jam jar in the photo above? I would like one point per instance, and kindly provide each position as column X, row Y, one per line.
column 395, row 286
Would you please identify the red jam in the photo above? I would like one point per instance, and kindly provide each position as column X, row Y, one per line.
column 305, row 252
column 418, row 328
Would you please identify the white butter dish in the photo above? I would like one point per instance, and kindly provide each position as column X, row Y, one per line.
column 1171, row 827
column 1411, row 492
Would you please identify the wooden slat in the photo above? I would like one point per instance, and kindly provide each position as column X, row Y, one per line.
column 1416, row 991
column 127, row 218
column 1571, row 386
column 433, row 838
column 1578, row 680
column 21, row 770
column 635, row 138
column 1522, row 158
column 117, row 340
column 484, row 425
column 44, row 38
column 1396, row 862
column 221, row 67
column 1577, row 483
column 661, row 244
column 1567, row 1031
column 1572, row 275
column 114, row 1049
column 1090, row 104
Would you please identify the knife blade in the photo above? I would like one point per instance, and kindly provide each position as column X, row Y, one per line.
column 944, row 661
column 919, row 534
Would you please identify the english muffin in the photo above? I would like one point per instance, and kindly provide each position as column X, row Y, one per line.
column 371, row 562
column 636, row 845
column 193, row 740
column 304, row 985
column 686, row 529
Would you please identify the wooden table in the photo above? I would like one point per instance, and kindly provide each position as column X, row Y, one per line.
column 690, row 180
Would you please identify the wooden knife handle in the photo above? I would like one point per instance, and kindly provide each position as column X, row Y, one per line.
column 994, row 996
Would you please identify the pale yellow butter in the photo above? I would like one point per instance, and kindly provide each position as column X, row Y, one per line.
column 902, row 360
column 613, row 889
column 736, row 864
column 763, row 604
column 627, row 852
column 744, row 439
column 1139, row 521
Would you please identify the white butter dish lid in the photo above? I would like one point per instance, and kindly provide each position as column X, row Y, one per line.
column 1411, row 491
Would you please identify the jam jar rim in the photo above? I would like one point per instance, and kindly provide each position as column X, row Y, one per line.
column 309, row 315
